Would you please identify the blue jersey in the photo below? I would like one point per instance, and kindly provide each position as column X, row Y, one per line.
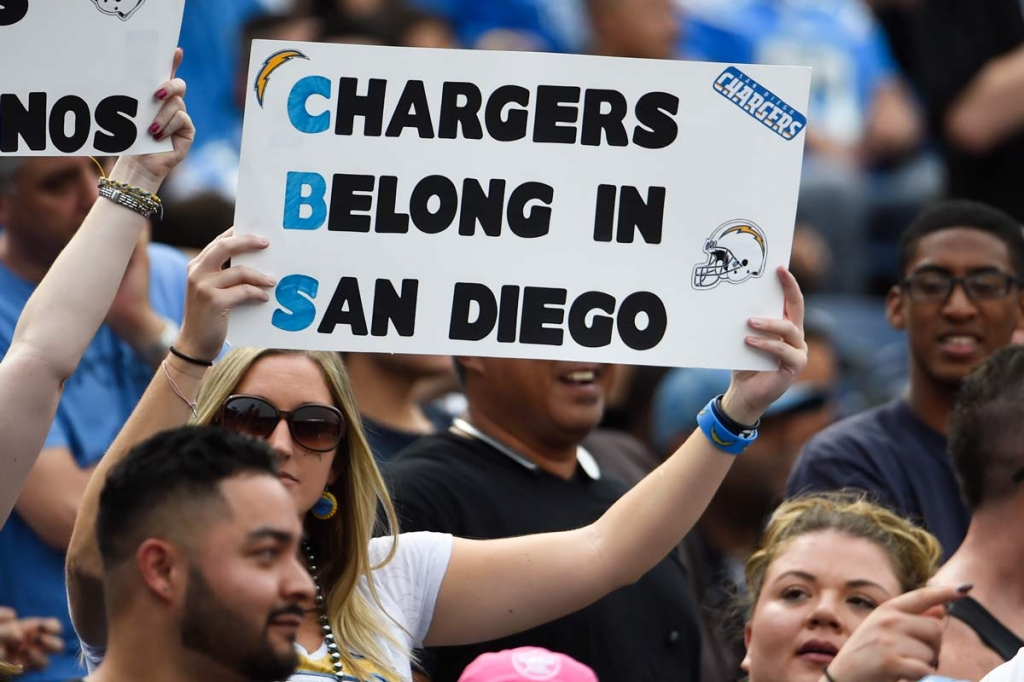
column 97, row 400
column 838, row 39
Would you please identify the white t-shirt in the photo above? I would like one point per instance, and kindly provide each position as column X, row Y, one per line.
column 407, row 587
column 1011, row 671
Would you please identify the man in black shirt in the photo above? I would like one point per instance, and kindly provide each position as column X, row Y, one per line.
column 515, row 466
column 967, row 58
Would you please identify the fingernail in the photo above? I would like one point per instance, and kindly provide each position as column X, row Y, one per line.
column 264, row 241
column 161, row 93
column 964, row 588
column 158, row 136
column 155, row 127
column 757, row 322
column 271, row 282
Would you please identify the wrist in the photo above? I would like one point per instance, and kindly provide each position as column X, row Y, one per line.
column 131, row 172
column 185, row 369
column 194, row 351
column 737, row 410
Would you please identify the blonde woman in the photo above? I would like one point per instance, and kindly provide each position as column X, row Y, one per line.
column 838, row 594
column 383, row 597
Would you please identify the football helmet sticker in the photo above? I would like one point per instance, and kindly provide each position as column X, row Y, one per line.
column 736, row 251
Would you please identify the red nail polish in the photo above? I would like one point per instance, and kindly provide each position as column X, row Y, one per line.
column 158, row 136
column 155, row 127
column 161, row 93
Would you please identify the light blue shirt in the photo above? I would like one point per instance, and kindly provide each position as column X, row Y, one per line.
column 839, row 39
column 97, row 400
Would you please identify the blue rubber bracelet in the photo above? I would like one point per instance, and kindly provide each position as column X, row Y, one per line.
column 721, row 437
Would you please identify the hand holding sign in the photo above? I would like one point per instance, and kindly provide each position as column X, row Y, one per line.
column 752, row 392
column 900, row 640
column 213, row 292
column 172, row 123
column 76, row 81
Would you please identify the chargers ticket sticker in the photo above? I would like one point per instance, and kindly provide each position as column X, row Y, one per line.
column 760, row 103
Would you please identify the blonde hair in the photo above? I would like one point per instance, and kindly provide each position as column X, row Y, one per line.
column 341, row 543
column 913, row 551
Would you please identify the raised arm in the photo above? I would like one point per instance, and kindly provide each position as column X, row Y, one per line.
column 212, row 293
column 494, row 588
column 990, row 109
column 63, row 314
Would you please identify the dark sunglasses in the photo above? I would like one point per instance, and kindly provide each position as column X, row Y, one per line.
column 314, row 426
column 936, row 285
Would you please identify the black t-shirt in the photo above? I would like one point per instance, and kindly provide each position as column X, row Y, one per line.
column 953, row 40
column 891, row 453
column 644, row 632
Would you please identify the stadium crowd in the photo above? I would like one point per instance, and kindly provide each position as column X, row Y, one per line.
column 478, row 519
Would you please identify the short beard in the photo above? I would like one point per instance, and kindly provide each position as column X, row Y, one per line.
column 212, row 628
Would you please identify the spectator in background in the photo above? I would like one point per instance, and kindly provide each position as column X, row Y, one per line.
column 213, row 167
column 863, row 147
column 538, row 25
column 986, row 444
column 634, row 28
column 210, row 35
column 959, row 300
column 728, row 531
column 43, row 203
column 967, row 60
column 385, row 388
column 515, row 466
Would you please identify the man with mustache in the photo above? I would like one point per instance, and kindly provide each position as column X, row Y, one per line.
column 199, row 542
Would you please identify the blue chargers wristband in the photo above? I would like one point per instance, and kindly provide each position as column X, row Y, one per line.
column 719, row 435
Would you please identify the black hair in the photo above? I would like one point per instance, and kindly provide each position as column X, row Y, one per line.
column 986, row 428
column 969, row 214
column 176, row 469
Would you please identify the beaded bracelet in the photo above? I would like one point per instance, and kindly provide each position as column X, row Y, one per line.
column 133, row 198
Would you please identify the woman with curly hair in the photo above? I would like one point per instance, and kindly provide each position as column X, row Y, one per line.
column 838, row 593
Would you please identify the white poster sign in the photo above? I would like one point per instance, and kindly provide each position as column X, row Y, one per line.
column 517, row 204
column 78, row 77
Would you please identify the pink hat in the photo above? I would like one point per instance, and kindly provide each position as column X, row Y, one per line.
column 526, row 664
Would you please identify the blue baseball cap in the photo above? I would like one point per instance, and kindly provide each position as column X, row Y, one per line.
column 683, row 393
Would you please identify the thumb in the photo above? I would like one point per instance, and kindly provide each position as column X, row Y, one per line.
column 924, row 599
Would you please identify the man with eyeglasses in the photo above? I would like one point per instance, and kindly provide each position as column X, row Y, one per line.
column 959, row 300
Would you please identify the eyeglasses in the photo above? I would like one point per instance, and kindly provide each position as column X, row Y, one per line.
column 314, row 426
column 936, row 285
